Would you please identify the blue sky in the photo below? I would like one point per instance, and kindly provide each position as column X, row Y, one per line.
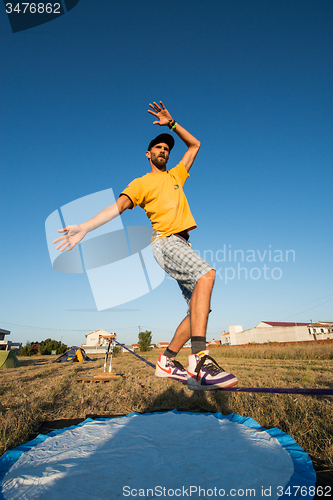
column 251, row 79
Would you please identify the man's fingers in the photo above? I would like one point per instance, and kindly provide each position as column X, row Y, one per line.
column 62, row 245
column 152, row 113
column 63, row 241
column 66, row 246
column 60, row 237
column 155, row 107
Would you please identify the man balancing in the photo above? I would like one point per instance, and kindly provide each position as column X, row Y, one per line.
column 160, row 193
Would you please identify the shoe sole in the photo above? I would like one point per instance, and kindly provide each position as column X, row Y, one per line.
column 194, row 385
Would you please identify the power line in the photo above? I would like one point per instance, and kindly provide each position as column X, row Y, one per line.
column 59, row 329
column 42, row 327
column 314, row 307
column 307, row 303
column 159, row 330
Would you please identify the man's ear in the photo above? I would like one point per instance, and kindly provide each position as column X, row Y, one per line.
column 148, row 155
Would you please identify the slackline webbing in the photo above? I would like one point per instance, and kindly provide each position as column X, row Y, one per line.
column 275, row 390
column 132, row 352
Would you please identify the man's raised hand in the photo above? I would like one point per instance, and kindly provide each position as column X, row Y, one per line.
column 163, row 115
column 74, row 234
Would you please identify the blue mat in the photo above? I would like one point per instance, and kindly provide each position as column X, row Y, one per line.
column 154, row 455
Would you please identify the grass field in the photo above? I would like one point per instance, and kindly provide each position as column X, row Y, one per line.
column 41, row 394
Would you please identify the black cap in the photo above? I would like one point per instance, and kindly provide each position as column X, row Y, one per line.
column 166, row 138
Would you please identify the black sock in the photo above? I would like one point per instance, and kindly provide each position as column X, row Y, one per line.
column 169, row 354
column 198, row 344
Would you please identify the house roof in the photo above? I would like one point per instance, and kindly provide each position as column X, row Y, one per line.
column 278, row 323
column 102, row 333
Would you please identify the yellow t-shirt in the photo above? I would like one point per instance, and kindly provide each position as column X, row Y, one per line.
column 161, row 195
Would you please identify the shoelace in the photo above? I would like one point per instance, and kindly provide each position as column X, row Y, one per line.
column 208, row 366
column 176, row 364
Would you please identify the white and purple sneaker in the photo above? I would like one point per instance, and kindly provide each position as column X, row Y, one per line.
column 170, row 368
column 204, row 374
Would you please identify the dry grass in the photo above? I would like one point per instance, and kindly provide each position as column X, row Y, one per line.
column 42, row 390
column 276, row 350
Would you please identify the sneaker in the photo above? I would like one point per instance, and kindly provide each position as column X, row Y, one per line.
column 204, row 374
column 167, row 367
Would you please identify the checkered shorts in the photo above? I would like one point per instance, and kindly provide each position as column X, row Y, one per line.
column 175, row 255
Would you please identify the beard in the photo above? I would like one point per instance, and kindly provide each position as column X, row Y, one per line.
column 159, row 162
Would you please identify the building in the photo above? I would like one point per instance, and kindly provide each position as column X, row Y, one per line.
column 321, row 329
column 125, row 348
column 162, row 345
column 6, row 345
column 213, row 342
column 97, row 341
column 187, row 345
column 272, row 331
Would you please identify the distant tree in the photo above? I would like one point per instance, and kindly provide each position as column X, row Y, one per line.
column 29, row 349
column 44, row 347
column 116, row 351
column 145, row 340
column 25, row 351
column 49, row 345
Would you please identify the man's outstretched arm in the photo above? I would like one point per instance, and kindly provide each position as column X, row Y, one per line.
column 75, row 233
column 165, row 118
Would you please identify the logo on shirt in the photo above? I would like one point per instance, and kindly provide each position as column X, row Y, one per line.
column 176, row 186
column 118, row 260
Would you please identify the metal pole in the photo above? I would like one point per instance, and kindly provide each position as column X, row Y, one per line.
column 106, row 355
column 111, row 355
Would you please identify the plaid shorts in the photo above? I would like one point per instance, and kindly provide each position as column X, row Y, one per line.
column 176, row 256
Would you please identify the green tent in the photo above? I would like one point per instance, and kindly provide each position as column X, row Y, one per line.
column 8, row 359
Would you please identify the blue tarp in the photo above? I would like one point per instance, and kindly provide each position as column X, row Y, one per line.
column 159, row 455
